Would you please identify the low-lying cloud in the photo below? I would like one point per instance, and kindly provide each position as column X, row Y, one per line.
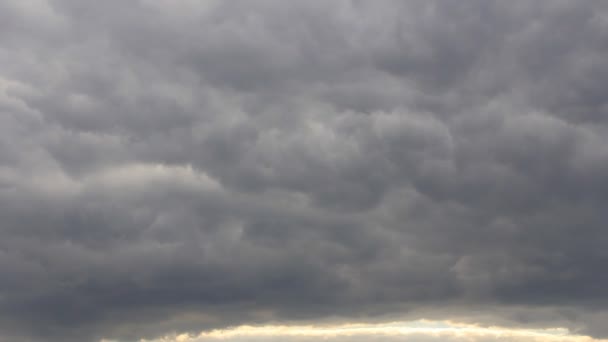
column 178, row 166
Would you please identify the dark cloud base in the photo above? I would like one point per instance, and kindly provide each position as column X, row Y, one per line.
column 180, row 165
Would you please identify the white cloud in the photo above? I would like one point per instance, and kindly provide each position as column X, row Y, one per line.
column 428, row 331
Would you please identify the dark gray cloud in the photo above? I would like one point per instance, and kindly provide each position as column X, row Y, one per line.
column 181, row 165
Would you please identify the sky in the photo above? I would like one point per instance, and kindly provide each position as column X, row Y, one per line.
column 273, row 170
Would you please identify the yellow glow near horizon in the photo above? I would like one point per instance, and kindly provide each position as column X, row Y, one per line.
column 422, row 328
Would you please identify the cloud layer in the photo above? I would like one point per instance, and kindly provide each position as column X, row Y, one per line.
column 417, row 331
column 186, row 165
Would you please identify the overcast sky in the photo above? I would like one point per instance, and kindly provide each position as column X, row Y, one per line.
column 173, row 167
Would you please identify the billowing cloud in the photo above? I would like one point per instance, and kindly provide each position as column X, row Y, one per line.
column 178, row 166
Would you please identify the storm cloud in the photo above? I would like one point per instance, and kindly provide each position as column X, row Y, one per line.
column 181, row 165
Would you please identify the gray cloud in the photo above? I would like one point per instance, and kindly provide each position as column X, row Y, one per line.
column 182, row 165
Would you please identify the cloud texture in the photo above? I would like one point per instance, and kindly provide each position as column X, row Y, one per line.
column 185, row 165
